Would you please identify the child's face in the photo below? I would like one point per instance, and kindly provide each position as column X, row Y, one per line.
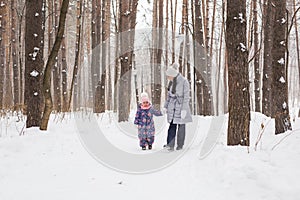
column 145, row 103
column 170, row 78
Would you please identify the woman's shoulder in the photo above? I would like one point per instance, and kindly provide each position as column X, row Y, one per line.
column 180, row 78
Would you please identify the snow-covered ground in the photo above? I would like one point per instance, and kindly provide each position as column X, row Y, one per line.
column 56, row 165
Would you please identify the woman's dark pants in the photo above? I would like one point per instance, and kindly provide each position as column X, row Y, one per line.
column 172, row 134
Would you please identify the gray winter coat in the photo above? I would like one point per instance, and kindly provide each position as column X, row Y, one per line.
column 177, row 104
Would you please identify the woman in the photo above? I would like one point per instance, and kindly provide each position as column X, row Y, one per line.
column 177, row 107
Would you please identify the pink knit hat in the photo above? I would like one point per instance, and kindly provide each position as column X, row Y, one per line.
column 144, row 97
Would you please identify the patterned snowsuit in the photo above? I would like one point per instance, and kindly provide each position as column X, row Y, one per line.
column 146, row 129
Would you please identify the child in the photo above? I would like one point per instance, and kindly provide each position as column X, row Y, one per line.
column 144, row 120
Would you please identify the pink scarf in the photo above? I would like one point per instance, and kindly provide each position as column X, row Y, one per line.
column 145, row 107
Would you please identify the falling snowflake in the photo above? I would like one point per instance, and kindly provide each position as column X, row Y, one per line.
column 282, row 80
column 283, row 20
column 284, row 105
column 281, row 61
column 35, row 94
column 241, row 18
column 34, row 55
column 35, row 35
column 37, row 14
column 34, row 73
column 243, row 47
column 127, row 13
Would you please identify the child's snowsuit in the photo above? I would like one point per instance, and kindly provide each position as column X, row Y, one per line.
column 146, row 129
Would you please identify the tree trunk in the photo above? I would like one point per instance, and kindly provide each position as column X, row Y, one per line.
column 256, row 59
column 267, row 61
column 200, row 59
column 239, row 102
column 56, row 74
column 212, row 29
column 34, row 62
column 298, row 48
column 116, row 14
column 126, row 29
column 3, row 12
column 154, row 48
column 21, row 55
column 15, row 67
column 125, row 76
column 104, row 52
column 279, row 63
column 77, row 52
column 167, row 34
column 208, row 99
column 51, row 61
column 64, row 72
column 173, row 25
column 8, row 97
column 96, row 55
column 158, row 66
column 109, row 74
column 221, row 87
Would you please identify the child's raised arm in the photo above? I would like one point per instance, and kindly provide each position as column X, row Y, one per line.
column 155, row 112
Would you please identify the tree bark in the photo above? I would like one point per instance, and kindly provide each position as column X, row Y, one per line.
column 96, row 54
column 267, row 61
column 15, row 66
column 154, row 48
column 116, row 14
column 64, row 72
column 104, row 52
column 200, row 60
column 173, row 25
column 126, row 30
column 279, row 63
column 109, row 74
column 56, row 73
column 158, row 66
column 256, row 59
column 239, row 102
column 77, row 52
column 21, row 54
column 51, row 61
column 3, row 12
column 34, row 62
